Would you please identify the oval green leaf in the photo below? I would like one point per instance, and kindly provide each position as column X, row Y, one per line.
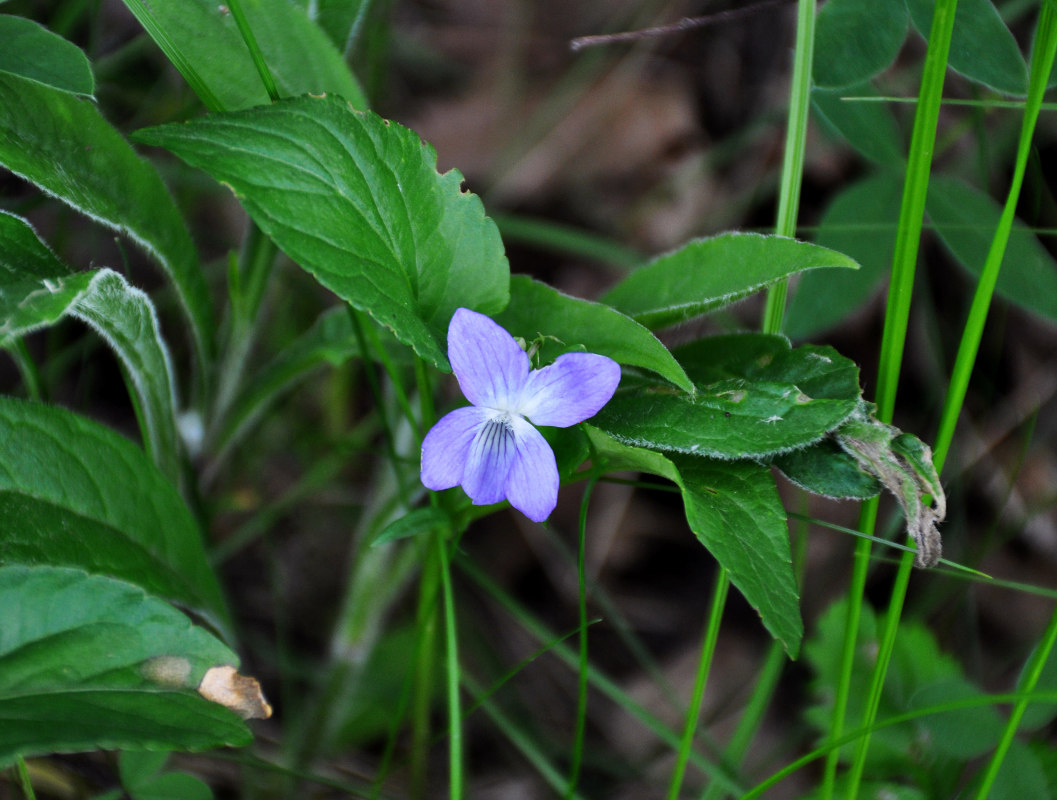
column 966, row 218
column 707, row 274
column 203, row 42
column 536, row 309
column 62, row 144
column 77, row 494
column 856, row 40
column 867, row 125
column 356, row 201
column 82, row 669
column 982, row 47
column 34, row 52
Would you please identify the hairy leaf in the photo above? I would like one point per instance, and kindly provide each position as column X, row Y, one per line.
column 89, row 662
column 707, row 274
column 357, row 201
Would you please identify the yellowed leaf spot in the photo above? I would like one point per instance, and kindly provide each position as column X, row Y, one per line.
column 172, row 671
column 240, row 693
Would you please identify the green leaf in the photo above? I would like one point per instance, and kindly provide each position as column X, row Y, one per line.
column 856, row 40
column 330, row 340
column 202, row 41
column 707, row 274
column 966, row 218
column 861, row 221
column 825, row 469
column 77, row 494
column 357, row 201
column 755, row 397
column 63, row 145
column 32, row 51
column 45, row 290
column 867, row 125
column 141, row 776
column 81, row 669
column 982, row 48
column 536, row 309
column 734, row 510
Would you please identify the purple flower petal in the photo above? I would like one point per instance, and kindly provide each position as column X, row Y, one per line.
column 447, row 447
column 491, row 455
column 570, row 390
column 533, row 485
column 490, row 366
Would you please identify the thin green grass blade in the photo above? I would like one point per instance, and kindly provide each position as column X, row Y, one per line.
column 795, row 144
column 897, row 315
column 1041, row 64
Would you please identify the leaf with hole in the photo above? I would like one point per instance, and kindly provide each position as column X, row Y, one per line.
column 95, row 663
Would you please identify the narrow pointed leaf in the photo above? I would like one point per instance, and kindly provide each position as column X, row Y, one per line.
column 62, row 144
column 34, row 52
column 577, row 324
column 202, row 41
column 77, row 494
column 89, row 662
column 356, row 201
column 966, row 218
column 711, row 273
column 36, row 290
column 734, row 510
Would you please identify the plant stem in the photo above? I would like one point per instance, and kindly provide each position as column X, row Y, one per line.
column 793, row 158
column 708, row 649
column 1030, row 679
column 243, row 24
column 452, row 652
column 426, row 622
column 24, row 781
column 581, row 701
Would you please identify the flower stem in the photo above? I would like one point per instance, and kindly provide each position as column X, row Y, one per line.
column 455, row 776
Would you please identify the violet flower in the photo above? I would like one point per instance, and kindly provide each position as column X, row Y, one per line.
column 491, row 448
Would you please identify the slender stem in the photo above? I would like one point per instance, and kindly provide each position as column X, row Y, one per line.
column 1032, row 673
column 708, row 649
column 27, row 368
column 235, row 6
column 379, row 403
column 793, row 158
column 452, row 651
column 24, row 781
column 426, row 621
column 581, row 701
